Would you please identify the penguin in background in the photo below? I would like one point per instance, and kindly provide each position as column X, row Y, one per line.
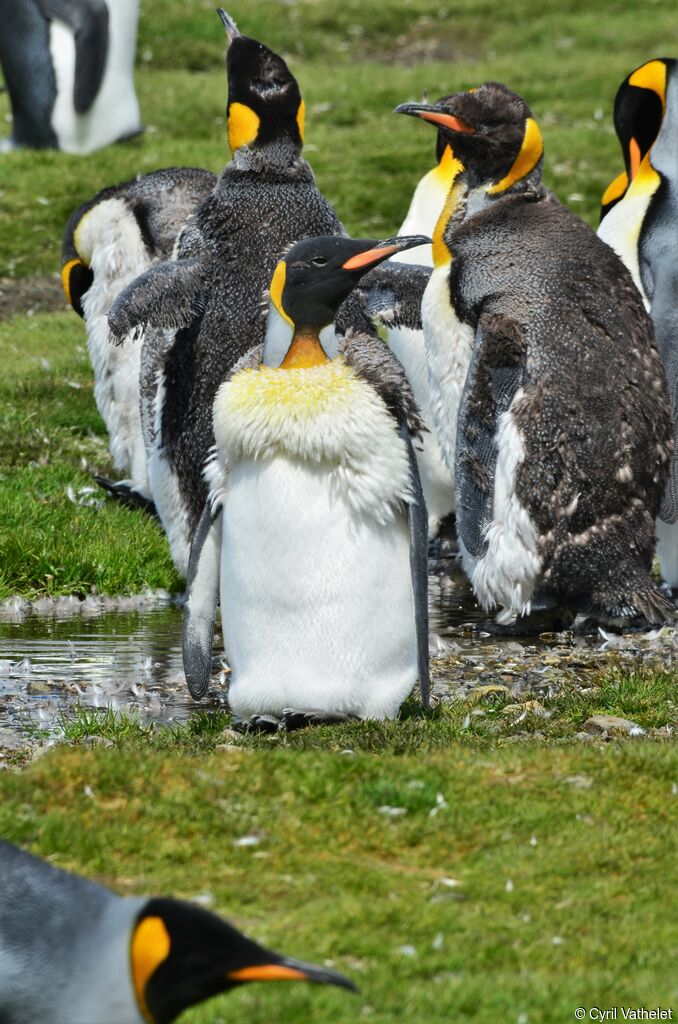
column 549, row 395
column 639, row 220
column 405, row 334
column 209, row 296
column 315, row 533
column 72, row 952
column 108, row 241
column 69, row 71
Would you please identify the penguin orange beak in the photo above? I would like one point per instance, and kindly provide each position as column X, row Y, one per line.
column 435, row 116
column 382, row 250
column 288, row 969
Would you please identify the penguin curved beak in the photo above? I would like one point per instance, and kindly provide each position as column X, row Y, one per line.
column 232, row 30
column 289, row 969
column 438, row 117
column 378, row 251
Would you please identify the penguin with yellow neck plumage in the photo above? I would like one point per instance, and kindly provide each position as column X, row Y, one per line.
column 316, row 534
column 209, row 295
column 639, row 219
column 549, row 397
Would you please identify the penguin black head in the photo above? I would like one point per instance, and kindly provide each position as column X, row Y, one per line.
column 264, row 100
column 490, row 130
column 317, row 274
column 639, row 108
column 182, row 955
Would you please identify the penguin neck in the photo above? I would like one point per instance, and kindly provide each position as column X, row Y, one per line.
column 283, row 156
column 305, row 350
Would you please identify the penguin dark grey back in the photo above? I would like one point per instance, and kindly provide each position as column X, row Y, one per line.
column 263, row 200
column 107, row 242
column 640, row 221
column 69, row 69
column 72, row 952
column 561, row 438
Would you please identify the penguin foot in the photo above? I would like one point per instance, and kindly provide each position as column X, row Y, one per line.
column 293, row 718
column 257, row 723
column 545, row 616
column 126, row 495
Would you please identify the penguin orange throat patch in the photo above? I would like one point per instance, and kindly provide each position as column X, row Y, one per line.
column 305, row 351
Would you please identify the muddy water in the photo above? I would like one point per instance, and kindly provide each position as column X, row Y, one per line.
column 131, row 658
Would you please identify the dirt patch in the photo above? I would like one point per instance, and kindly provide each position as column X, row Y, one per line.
column 35, row 294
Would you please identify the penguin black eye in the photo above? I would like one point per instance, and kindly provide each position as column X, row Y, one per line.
column 319, row 261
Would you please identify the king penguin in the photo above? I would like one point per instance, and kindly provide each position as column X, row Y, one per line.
column 108, row 241
column 69, row 70
column 640, row 221
column 210, row 294
column 72, row 952
column 550, row 397
column 405, row 333
column 316, row 531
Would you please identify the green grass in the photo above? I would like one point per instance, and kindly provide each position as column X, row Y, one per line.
column 645, row 694
column 556, row 900
column 51, row 438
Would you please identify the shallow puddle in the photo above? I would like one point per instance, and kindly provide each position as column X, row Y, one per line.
column 130, row 659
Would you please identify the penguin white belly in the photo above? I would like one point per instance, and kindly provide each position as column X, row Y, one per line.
column 449, row 345
column 507, row 572
column 114, row 113
column 109, row 241
column 409, row 348
column 316, row 602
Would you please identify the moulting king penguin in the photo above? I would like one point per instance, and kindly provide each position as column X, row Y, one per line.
column 640, row 221
column 210, row 294
column 549, row 395
column 72, row 952
column 69, row 70
column 316, row 534
column 108, row 241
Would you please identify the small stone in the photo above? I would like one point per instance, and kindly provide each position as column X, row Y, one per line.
column 96, row 741
column 613, row 724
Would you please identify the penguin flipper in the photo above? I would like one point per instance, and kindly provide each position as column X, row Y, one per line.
column 664, row 298
column 495, row 373
column 392, row 294
column 88, row 20
column 418, row 522
column 202, row 595
column 167, row 295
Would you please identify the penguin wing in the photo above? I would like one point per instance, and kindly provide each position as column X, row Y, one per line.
column 88, row 20
column 392, row 294
column 373, row 360
column 496, row 372
column 167, row 295
column 418, row 522
column 202, row 595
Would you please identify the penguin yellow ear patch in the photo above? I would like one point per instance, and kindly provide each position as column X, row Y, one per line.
column 301, row 119
column 276, row 289
column 651, row 76
column 150, row 946
column 66, row 277
column 529, row 156
column 242, row 126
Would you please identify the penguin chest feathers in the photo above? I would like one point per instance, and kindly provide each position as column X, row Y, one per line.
column 326, row 416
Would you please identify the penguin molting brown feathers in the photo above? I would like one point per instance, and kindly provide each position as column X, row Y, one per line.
column 560, row 442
